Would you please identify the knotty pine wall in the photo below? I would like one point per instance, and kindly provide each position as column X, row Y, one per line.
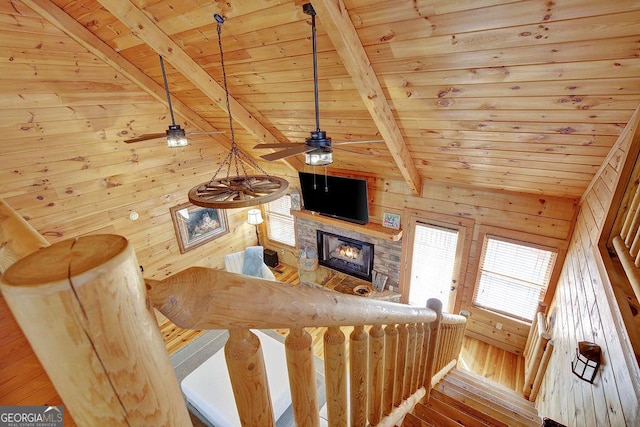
column 584, row 309
column 66, row 169
column 548, row 217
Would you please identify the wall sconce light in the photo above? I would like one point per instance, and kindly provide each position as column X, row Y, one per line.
column 254, row 217
column 586, row 361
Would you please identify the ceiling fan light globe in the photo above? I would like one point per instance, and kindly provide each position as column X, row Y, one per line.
column 176, row 137
column 318, row 158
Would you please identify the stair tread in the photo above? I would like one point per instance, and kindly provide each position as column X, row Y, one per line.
column 452, row 413
column 476, row 378
column 510, row 415
column 482, row 386
column 479, row 413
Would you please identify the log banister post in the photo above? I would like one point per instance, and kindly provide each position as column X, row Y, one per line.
column 335, row 369
column 434, row 327
column 302, row 377
column 376, row 372
column 410, row 361
column 359, row 371
column 403, row 342
column 390, row 364
column 82, row 305
column 245, row 362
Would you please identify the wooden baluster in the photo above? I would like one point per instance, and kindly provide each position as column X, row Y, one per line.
column 302, row 377
column 434, row 327
column 423, row 356
column 541, row 371
column 376, row 373
column 243, row 353
column 631, row 214
column 359, row 369
column 81, row 304
column 410, row 361
column 390, row 361
column 536, row 358
column 403, row 342
column 635, row 243
column 415, row 380
column 335, row 371
column 633, row 228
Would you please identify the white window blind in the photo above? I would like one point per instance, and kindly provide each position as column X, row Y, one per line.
column 432, row 264
column 280, row 224
column 513, row 277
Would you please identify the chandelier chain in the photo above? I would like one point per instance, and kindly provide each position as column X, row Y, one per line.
column 235, row 157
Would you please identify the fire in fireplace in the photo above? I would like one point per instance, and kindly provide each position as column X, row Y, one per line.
column 347, row 255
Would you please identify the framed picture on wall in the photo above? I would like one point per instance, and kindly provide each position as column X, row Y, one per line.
column 195, row 225
column 391, row 220
column 296, row 205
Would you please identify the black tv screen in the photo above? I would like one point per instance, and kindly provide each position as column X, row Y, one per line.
column 334, row 196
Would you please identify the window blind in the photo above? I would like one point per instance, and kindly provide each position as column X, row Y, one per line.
column 513, row 277
column 280, row 223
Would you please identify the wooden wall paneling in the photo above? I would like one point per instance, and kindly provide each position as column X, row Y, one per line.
column 585, row 309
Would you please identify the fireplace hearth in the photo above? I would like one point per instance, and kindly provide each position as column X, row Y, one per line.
column 344, row 254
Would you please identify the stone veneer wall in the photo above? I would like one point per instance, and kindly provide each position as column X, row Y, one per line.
column 386, row 254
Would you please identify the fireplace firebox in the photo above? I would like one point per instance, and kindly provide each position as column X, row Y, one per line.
column 347, row 255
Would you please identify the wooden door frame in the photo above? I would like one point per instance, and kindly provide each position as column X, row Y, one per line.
column 464, row 226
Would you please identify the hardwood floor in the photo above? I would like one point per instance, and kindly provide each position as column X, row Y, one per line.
column 476, row 356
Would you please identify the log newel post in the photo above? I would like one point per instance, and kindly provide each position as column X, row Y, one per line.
column 302, row 377
column 248, row 375
column 434, row 328
column 82, row 305
column 335, row 370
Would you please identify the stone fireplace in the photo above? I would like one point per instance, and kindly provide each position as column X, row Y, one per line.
column 344, row 254
column 386, row 257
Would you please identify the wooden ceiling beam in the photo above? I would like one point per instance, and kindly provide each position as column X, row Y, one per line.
column 146, row 29
column 343, row 35
column 96, row 46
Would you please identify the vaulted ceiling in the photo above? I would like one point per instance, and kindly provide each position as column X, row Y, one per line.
column 524, row 96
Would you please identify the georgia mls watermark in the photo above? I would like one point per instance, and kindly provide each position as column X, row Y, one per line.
column 31, row 416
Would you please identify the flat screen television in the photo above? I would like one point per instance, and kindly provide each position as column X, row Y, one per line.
column 335, row 196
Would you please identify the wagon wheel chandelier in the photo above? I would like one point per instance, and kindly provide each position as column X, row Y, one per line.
column 241, row 190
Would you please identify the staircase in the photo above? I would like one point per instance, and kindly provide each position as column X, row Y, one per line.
column 467, row 399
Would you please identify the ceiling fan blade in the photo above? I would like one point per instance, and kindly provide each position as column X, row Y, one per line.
column 354, row 151
column 299, row 149
column 279, row 145
column 364, row 141
column 197, row 132
column 146, row 137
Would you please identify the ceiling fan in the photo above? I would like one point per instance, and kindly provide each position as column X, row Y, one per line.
column 318, row 146
column 176, row 136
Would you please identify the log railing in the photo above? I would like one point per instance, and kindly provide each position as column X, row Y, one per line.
column 537, row 353
column 627, row 242
column 84, row 307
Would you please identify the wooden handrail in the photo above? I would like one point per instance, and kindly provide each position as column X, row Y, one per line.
column 202, row 298
column 70, row 280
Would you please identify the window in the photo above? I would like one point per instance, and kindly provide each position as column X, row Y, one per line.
column 513, row 276
column 280, row 224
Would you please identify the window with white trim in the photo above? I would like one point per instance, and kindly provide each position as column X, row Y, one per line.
column 280, row 223
column 513, row 276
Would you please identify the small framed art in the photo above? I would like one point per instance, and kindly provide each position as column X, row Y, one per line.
column 391, row 220
column 195, row 225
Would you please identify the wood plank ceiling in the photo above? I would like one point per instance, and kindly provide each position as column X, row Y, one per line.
column 523, row 96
